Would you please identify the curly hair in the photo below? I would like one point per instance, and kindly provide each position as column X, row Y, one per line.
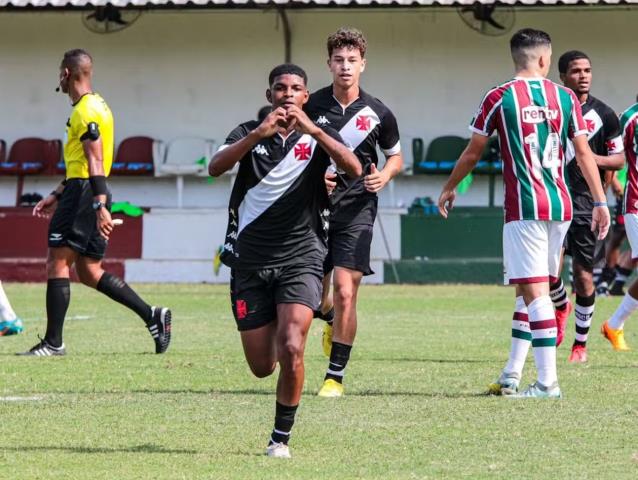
column 348, row 37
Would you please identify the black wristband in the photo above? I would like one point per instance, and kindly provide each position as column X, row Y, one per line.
column 98, row 185
column 56, row 194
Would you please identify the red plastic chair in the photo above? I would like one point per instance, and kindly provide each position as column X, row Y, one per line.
column 135, row 157
column 32, row 156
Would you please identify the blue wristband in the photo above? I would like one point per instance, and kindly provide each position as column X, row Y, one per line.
column 600, row 204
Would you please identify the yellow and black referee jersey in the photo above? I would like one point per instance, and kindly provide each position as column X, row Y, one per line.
column 91, row 108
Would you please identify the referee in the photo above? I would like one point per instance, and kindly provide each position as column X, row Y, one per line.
column 81, row 224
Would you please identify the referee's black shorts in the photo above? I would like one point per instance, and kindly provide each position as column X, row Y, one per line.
column 74, row 223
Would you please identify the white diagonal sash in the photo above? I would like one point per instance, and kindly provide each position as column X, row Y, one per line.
column 271, row 188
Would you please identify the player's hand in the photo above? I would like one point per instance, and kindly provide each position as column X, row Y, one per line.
column 376, row 180
column 45, row 207
column 275, row 120
column 331, row 181
column 300, row 120
column 104, row 223
column 446, row 202
column 600, row 221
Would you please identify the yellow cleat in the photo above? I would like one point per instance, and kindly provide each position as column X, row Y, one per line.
column 331, row 389
column 326, row 339
column 615, row 337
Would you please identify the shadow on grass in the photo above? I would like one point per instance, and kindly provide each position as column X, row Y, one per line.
column 239, row 392
column 146, row 448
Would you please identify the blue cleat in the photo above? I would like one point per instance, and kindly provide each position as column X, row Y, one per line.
column 11, row 327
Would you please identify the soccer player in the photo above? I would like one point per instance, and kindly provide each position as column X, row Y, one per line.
column 10, row 323
column 365, row 123
column 603, row 133
column 275, row 241
column 81, row 223
column 534, row 118
column 613, row 329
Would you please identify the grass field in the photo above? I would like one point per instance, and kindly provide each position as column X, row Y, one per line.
column 414, row 406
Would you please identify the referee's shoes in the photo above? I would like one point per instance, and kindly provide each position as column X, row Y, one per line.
column 160, row 328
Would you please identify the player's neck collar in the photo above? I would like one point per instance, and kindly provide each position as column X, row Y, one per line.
column 344, row 107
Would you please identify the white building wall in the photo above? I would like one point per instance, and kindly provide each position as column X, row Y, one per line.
column 202, row 72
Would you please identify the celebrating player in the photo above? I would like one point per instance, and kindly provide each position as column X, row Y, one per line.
column 613, row 329
column 603, row 132
column 364, row 123
column 275, row 242
column 81, row 222
column 533, row 117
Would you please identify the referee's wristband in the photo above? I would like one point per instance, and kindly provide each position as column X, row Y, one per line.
column 56, row 194
column 98, row 185
column 600, row 204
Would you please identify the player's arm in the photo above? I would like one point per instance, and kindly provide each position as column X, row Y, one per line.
column 342, row 156
column 589, row 169
column 615, row 161
column 391, row 146
column 231, row 153
column 465, row 164
column 92, row 146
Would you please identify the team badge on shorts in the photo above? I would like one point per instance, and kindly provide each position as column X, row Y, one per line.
column 241, row 308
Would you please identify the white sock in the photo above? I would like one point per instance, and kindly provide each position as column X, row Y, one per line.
column 628, row 305
column 6, row 312
column 542, row 323
column 521, row 338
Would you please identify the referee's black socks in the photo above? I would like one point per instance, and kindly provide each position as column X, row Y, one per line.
column 58, row 297
column 118, row 290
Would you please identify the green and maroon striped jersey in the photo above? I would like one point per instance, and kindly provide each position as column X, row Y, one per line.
column 534, row 118
column 629, row 131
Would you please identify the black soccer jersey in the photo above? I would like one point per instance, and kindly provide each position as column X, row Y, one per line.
column 274, row 209
column 363, row 125
column 604, row 139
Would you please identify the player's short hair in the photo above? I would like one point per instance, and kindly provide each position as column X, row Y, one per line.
column 77, row 59
column 348, row 37
column 526, row 40
column 287, row 69
column 568, row 57
column 263, row 112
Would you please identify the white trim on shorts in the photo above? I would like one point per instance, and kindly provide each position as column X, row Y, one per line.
column 532, row 250
column 631, row 227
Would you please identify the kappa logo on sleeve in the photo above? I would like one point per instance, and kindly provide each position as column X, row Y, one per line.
column 322, row 120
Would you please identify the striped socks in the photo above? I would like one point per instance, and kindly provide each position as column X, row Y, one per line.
column 558, row 294
column 542, row 323
column 284, row 420
column 339, row 356
column 584, row 313
column 521, row 338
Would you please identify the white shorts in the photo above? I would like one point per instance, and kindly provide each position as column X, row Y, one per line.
column 631, row 227
column 531, row 250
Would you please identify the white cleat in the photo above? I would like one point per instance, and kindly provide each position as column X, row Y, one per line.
column 278, row 450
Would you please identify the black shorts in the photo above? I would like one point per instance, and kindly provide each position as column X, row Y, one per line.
column 74, row 223
column 349, row 247
column 255, row 294
column 580, row 244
